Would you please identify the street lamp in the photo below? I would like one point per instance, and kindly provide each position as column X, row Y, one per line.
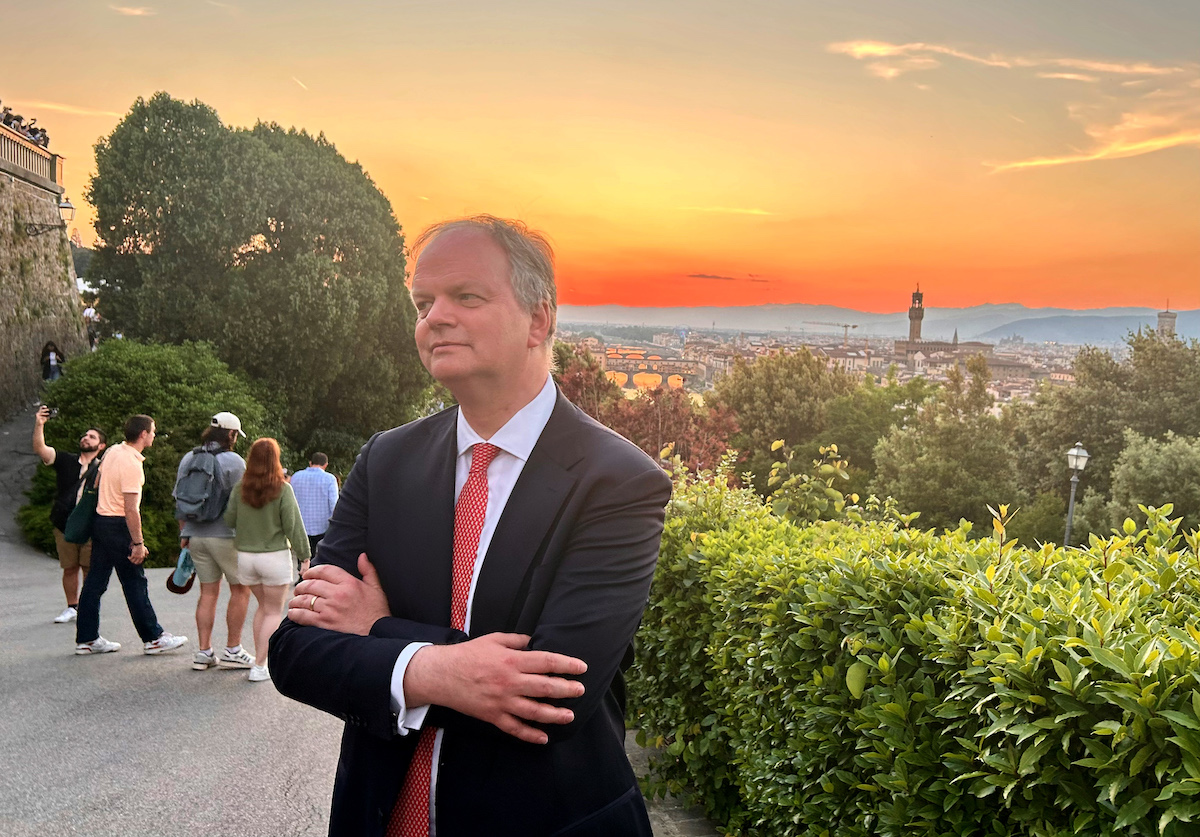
column 1077, row 459
column 66, row 211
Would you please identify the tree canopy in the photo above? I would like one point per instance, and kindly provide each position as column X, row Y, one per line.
column 783, row 396
column 955, row 460
column 267, row 243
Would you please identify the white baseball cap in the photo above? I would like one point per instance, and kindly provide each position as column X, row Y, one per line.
column 228, row 421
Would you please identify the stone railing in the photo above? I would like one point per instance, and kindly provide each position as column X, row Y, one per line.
column 16, row 150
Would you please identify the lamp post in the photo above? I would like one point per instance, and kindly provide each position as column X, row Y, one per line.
column 66, row 211
column 1077, row 459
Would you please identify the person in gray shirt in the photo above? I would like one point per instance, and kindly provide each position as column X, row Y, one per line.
column 211, row 546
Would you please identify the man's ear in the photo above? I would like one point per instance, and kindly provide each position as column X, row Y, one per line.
column 541, row 324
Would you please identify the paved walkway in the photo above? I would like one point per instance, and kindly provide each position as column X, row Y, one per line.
column 124, row 744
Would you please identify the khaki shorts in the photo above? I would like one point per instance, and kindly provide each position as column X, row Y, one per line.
column 271, row 569
column 213, row 558
column 72, row 555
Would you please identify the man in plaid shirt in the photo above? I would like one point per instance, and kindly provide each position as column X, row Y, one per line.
column 317, row 493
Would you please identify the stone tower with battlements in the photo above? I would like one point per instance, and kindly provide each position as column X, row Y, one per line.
column 916, row 313
column 1166, row 325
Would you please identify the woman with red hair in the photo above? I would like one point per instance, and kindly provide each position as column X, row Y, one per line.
column 266, row 520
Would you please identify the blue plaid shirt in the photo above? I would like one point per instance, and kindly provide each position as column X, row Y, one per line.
column 316, row 492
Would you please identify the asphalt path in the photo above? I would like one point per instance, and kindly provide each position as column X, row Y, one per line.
column 129, row 745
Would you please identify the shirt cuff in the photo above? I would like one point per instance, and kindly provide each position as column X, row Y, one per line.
column 407, row 717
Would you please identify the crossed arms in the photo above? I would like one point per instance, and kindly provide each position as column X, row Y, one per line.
column 537, row 686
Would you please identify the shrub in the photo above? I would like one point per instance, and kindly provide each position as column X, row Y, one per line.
column 181, row 387
column 863, row 678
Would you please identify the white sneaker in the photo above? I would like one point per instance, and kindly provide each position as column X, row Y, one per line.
column 166, row 642
column 99, row 645
column 67, row 615
column 258, row 674
column 241, row 659
column 202, row 661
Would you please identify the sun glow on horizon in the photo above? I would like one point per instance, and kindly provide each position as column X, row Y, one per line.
column 808, row 154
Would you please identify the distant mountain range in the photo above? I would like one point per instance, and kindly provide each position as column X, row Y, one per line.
column 989, row 323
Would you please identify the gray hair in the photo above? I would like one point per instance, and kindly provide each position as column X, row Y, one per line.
column 530, row 257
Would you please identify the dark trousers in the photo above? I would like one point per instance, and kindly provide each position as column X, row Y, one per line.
column 313, row 540
column 111, row 545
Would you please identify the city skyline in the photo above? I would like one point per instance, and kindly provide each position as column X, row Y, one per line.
column 1037, row 153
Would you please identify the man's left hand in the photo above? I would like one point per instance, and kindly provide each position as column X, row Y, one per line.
column 329, row 597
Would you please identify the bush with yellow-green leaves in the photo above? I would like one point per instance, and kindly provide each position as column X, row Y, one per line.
column 859, row 677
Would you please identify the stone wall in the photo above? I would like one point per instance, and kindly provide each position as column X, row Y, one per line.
column 38, row 296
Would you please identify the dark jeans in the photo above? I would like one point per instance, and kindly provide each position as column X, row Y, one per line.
column 313, row 540
column 111, row 545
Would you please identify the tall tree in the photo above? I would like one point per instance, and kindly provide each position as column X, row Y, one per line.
column 1153, row 392
column 665, row 416
column 955, row 460
column 781, row 396
column 1155, row 472
column 857, row 421
column 270, row 245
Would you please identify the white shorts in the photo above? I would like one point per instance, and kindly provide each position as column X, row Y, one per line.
column 272, row 569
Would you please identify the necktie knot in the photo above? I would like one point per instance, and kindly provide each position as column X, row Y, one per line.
column 482, row 455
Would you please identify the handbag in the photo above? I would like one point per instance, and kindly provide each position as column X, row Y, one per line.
column 79, row 523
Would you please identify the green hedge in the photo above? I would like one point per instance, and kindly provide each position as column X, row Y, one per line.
column 862, row 678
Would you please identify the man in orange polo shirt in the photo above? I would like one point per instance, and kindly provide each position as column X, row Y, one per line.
column 117, row 544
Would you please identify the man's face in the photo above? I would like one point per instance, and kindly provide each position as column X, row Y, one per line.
column 470, row 327
column 148, row 435
column 90, row 442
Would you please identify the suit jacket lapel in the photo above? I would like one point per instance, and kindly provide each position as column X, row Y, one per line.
column 426, row 491
column 544, row 486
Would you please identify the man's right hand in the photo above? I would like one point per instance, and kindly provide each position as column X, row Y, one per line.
column 138, row 554
column 42, row 416
column 495, row 679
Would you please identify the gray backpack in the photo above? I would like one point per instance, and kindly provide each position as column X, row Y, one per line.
column 200, row 492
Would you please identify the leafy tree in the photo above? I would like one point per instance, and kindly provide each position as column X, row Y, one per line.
column 1154, row 473
column 1088, row 412
column 857, row 421
column 783, row 396
column 1152, row 392
column 181, row 387
column 270, row 245
column 663, row 416
column 582, row 381
column 955, row 460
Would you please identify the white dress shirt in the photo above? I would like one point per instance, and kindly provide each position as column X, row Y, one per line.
column 515, row 440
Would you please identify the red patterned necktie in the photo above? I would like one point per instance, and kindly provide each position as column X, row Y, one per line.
column 410, row 817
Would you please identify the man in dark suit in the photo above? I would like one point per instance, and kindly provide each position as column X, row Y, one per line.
column 482, row 578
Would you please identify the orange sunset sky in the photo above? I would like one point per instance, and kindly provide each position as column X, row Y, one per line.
column 699, row 153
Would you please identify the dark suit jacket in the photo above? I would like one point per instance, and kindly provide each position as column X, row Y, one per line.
column 570, row 564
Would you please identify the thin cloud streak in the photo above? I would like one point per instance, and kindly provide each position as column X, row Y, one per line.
column 1123, row 116
column 134, row 11
column 58, row 107
column 1116, row 151
column 299, row 82
column 1068, row 76
column 753, row 277
column 726, row 210
column 915, row 57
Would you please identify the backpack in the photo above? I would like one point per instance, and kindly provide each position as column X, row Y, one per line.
column 200, row 492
